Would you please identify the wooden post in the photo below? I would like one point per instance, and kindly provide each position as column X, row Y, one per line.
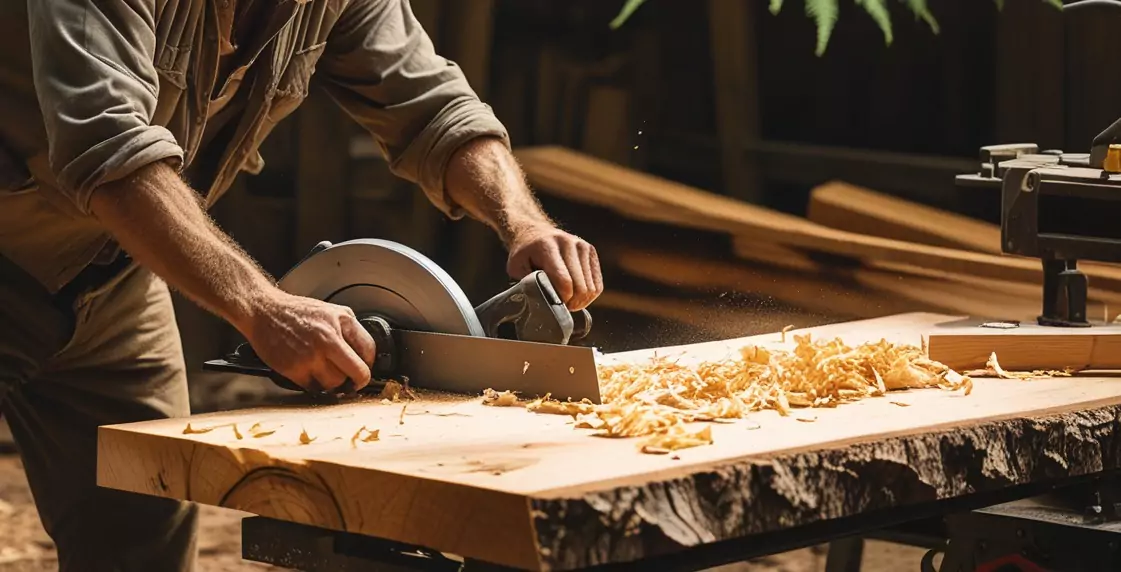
column 735, row 70
column 321, row 190
column 1030, row 76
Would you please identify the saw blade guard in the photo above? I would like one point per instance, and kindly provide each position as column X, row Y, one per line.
column 382, row 278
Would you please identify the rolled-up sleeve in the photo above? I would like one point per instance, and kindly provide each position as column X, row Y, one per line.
column 380, row 66
column 97, row 86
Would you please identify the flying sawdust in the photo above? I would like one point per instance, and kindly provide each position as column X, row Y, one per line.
column 657, row 398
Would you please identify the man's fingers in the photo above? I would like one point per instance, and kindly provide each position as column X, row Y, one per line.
column 359, row 339
column 326, row 377
column 572, row 260
column 343, row 357
column 591, row 278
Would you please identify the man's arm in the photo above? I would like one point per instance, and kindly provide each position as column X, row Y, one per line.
column 485, row 179
column 381, row 68
column 94, row 76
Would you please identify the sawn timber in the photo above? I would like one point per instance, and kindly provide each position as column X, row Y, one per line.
column 506, row 486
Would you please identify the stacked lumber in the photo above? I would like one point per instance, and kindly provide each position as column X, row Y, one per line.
column 858, row 253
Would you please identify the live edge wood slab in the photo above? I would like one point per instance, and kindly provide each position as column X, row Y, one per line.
column 530, row 491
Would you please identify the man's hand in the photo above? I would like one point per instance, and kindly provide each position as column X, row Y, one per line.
column 571, row 264
column 487, row 182
column 316, row 344
column 157, row 219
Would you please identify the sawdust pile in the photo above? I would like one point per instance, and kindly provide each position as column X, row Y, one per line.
column 657, row 398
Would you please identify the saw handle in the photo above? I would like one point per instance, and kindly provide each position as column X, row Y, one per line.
column 245, row 360
column 536, row 312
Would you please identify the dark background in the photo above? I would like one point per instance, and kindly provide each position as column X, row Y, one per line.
column 717, row 94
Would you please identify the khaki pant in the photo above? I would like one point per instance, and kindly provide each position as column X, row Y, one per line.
column 113, row 356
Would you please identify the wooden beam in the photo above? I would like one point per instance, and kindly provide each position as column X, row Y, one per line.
column 1027, row 347
column 851, row 208
column 717, row 321
column 855, row 292
column 530, row 491
column 578, row 177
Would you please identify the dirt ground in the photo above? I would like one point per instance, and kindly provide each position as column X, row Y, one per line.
column 25, row 547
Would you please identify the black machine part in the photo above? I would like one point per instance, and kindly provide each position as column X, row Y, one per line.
column 535, row 311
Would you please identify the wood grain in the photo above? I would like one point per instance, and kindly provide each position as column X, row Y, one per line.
column 1028, row 347
column 530, row 491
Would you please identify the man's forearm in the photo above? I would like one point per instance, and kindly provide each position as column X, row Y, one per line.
column 484, row 178
column 157, row 219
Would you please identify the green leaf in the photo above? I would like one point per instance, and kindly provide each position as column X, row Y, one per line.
column 776, row 7
column 824, row 14
column 625, row 13
column 1056, row 3
column 922, row 11
column 1000, row 5
column 878, row 11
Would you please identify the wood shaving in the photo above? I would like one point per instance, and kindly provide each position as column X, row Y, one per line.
column 188, row 430
column 370, row 436
column 784, row 330
column 257, row 432
column 993, row 369
column 401, row 419
column 391, row 392
column 660, row 396
column 675, row 438
column 900, row 403
column 306, row 439
column 499, row 398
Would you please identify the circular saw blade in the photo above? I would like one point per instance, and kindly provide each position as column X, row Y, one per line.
column 387, row 279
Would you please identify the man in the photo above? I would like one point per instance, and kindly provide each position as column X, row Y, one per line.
column 122, row 121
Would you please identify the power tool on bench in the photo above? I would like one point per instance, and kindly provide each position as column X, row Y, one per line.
column 1061, row 208
column 426, row 330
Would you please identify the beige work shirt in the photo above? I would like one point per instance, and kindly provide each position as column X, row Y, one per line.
column 90, row 91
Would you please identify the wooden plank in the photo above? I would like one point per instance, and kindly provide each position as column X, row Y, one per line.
column 856, row 292
column 1028, row 347
column 532, row 492
column 804, row 290
column 716, row 321
column 578, row 177
column 851, row 208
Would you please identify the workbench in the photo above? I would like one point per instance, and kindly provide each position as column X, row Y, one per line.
column 500, row 486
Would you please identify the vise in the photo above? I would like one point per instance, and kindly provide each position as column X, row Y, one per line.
column 1060, row 208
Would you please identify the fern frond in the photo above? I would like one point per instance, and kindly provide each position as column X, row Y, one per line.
column 776, row 7
column 922, row 11
column 877, row 9
column 824, row 14
column 625, row 13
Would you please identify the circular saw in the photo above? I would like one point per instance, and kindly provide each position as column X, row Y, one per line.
column 427, row 331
